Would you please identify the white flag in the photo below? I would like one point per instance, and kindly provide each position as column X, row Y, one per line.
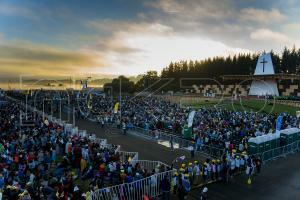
column 191, row 118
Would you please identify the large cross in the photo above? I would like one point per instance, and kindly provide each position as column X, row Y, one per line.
column 264, row 62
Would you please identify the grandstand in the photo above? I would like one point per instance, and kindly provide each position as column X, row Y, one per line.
column 283, row 84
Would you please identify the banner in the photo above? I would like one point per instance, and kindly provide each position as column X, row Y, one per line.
column 191, row 118
column 90, row 101
column 278, row 123
column 116, row 108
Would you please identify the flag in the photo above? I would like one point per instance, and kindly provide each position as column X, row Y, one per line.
column 116, row 108
column 278, row 123
column 90, row 101
column 191, row 118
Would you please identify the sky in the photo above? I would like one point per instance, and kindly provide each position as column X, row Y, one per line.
column 130, row 37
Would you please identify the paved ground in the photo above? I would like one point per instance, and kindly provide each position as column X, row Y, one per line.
column 279, row 179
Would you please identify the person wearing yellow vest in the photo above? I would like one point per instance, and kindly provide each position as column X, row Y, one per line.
column 83, row 165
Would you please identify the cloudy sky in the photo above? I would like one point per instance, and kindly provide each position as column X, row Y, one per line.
column 54, row 37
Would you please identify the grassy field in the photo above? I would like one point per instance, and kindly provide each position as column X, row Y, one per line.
column 254, row 105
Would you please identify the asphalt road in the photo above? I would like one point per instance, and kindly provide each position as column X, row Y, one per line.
column 279, row 179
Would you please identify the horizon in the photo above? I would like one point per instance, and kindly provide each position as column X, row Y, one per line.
column 54, row 38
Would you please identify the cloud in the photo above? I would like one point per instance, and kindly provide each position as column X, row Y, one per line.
column 230, row 22
column 19, row 58
column 266, row 38
column 168, row 6
column 152, row 46
column 7, row 9
column 267, row 35
column 205, row 19
column 159, row 32
column 292, row 29
column 113, row 26
column 195, row 9
column 120, row 32
column 261, row 15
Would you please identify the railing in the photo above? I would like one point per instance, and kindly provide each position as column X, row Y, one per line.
column 150, row 165
column 178, row 142
column 128, row 156
column 279, row 152
column 288, row 102
column 118, row 149
column 150, row 186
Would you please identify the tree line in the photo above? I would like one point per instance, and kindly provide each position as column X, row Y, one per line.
column 211, row 68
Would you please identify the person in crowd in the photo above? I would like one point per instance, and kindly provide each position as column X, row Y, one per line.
column 186, row 185
column 174, row 183
column 258, row 164
column 204, row 194
column 166, row 188
column 124, row 127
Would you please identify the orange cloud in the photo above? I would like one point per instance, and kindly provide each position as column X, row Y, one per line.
column 20, row 58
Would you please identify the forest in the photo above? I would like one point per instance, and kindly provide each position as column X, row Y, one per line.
column 288, row 62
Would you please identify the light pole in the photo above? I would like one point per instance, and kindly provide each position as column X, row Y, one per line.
column 73, row 115
column 43, row 109
column 60, row 108
column 26, row 107
column 120, row 100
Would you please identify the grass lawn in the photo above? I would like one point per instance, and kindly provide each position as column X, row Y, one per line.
column 254, row 105
column 200, row 103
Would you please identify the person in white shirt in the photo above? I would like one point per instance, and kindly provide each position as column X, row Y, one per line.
column 232, row 166
column 227, row 144
column 209, row 169
column 214, row 170
column 242, row 163
column 174, row 183
column 196, row 172
column 237, row 164
column 241, row 147
column 153, row 183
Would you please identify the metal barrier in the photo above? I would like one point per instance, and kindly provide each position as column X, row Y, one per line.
column 128, row 156
column 279, row 152
column 179, row 142
column 118, row 148
column 150, row 186
column 150, row 165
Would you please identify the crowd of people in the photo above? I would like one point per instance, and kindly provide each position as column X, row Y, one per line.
column 40, row 159
column 223, row 169
column 219, row 127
